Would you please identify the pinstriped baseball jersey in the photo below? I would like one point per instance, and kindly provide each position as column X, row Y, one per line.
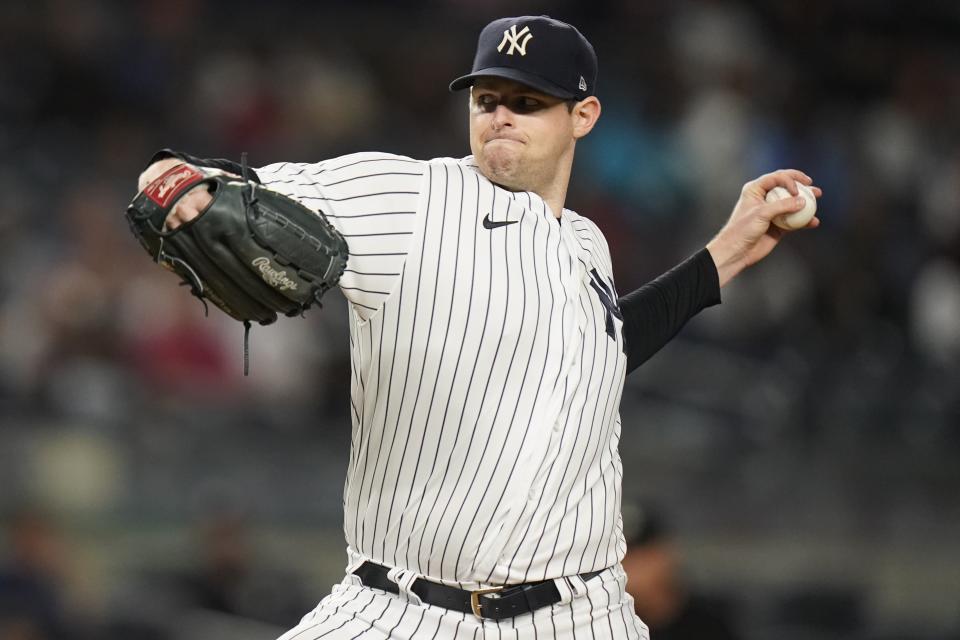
column 487, row 368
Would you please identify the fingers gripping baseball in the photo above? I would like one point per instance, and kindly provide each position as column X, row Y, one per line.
column 749, row 235
column 786, row 178
column 787, row 193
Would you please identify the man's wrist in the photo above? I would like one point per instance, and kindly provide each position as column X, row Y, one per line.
column 727, row 265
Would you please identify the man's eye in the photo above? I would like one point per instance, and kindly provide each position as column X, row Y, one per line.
column 520, row 104
column 526, row 104
column 487, row 101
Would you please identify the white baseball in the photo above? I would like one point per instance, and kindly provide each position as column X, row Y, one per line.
column 797, row 219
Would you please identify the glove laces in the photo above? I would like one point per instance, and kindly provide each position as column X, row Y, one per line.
column 246, row 323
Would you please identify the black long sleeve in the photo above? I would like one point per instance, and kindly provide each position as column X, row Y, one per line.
column 655, row 312
column 212, row 163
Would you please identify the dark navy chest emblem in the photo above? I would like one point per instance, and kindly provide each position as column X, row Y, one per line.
column 606, row 296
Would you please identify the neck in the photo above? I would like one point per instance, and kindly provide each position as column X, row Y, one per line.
column 551, row 185
column 554, row 198
column 554, row 190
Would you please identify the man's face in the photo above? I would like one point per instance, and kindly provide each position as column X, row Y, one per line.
column 518, row 134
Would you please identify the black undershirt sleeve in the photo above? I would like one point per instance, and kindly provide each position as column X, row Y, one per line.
column 655, row 312
column 213, row 163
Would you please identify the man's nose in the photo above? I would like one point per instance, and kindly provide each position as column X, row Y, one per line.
column 502, row 117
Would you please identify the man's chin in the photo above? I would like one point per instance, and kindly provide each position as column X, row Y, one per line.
column 501, row 167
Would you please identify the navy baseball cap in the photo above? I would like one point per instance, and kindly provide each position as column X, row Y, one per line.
column 540, row 52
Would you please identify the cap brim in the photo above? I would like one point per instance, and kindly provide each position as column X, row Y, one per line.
column 517, row 75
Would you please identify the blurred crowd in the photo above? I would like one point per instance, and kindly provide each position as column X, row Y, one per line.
column 822, row 396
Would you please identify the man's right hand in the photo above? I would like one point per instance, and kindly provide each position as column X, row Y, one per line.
column 749, row 234
column 189, row 206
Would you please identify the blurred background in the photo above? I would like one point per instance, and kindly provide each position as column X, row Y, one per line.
column 792, row 457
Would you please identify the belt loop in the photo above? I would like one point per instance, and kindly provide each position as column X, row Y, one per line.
column 578, row 585
column 355, row 564
column 565, row 589
column 405, row 580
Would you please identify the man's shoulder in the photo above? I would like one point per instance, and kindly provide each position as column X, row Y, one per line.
column 373, row 158
column 578, row 219
column 584, row 225
column 465, row 163
column 370, row 162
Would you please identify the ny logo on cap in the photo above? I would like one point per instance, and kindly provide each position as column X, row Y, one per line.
column 512, row 36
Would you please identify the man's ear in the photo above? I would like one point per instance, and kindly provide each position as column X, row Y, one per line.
column 584, row 115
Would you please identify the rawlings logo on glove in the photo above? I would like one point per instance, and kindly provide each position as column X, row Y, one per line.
column 274, row 277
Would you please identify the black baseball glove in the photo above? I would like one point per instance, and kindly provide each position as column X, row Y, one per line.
column 252, row 252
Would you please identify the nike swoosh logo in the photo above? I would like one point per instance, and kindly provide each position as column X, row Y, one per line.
column 490, row 224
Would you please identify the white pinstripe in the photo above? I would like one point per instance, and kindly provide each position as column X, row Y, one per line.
column 487, row 371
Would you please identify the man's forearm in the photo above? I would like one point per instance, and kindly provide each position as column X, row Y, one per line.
column 655, row 313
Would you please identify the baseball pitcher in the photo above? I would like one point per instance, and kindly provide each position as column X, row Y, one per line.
column 489, row 344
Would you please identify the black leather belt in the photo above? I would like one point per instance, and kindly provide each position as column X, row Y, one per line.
column 511, row 600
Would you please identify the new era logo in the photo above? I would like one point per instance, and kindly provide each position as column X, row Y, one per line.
column 512, row 36
column 583, row 84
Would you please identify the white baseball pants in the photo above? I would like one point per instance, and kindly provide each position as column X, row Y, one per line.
column 596, row 609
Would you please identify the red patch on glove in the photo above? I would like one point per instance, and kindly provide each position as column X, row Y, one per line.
column 172, row 183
